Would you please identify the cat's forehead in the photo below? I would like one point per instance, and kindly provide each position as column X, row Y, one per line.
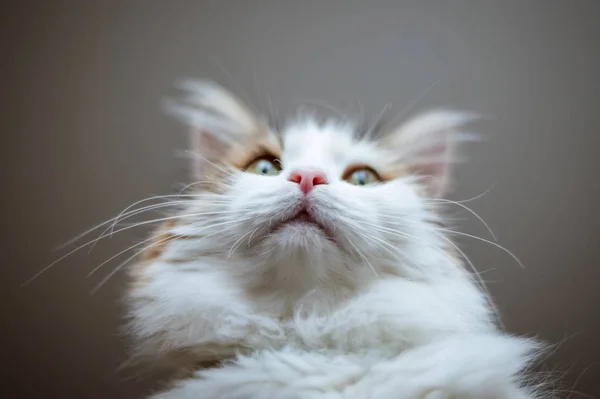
column 328, row 145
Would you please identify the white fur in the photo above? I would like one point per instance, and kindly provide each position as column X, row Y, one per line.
column 462, row 366
column 382, row 311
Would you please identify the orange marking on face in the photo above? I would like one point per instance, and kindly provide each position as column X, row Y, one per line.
column 139, row 279
column 157, row 247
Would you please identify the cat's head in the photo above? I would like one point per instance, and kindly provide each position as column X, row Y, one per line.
column 316, row 200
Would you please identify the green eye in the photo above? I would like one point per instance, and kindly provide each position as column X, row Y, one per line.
column 265, row 166
column 362, row 177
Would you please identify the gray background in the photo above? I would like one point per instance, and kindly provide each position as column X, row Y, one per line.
column 84, row 136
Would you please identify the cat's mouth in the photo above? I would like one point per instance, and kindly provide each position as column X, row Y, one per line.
column 303, row 218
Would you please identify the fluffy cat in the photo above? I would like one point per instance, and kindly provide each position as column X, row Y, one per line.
column 311, row 263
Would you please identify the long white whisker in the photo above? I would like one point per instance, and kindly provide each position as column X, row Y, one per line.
column 239, row 242
column 154, row 237
column 203, row 226
column 394, row 251
column 480, row 282
column 124, row 211
column 104, row 236
column 121, row 265
column 362, row 256
column 386, row 244
column 437, row 231
column 397, row 233
column 122, row 216
column 83, row 234
column 196, row 183
column 128, row 249
column 473, row 213
column 369, row 132
column 477, row 277
column 134, row 213
column 475, row 198
column 149, row 208
column 182, row 216
column 483, row 240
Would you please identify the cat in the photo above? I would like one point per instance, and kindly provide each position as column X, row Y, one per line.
column 312, row 263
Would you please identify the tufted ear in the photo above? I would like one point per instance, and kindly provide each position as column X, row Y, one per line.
column 425, row 146
column 219, row 122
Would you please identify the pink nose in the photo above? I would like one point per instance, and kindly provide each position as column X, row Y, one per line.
column 307, row 179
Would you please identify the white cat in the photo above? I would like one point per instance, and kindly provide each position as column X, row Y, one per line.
column 312, row 263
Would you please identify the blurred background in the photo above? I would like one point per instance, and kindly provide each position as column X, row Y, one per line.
column 85, row 136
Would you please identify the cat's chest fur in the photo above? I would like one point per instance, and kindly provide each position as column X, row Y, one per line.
column 214, row 314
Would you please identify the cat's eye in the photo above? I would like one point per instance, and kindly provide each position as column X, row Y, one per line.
column 361, row 176
column 265, row 165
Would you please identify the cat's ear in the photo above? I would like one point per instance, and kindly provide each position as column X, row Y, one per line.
column 219, row 122
column 426, row 146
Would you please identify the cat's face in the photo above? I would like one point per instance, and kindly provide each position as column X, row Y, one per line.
column 314, row 194
column 323, row 192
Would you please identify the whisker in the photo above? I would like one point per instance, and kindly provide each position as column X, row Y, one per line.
column 150, row 199
column 125, row 250
column 478, row 280
column 39, row 273
column 196, row 197
column 397, row 233
column 134, row 213
column 483, row 240
column 239, row 242
column 395, row 251
column 473, row 213
column 413, row 103
column 150, row 239
column 167, row 239
column 437, row 231
column 181, row 216
column 83, row 234
column 121, row 265
column 361, row 120
column 200, row 224
column 122, row 216
column 188, row 186
column 152, row 207
column 362, row 256
column 478, row 196
column 273, row 113
column 376, row 122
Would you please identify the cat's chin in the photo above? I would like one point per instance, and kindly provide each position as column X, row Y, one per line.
column 301, row 235
column 303, row 228
column 302, row 232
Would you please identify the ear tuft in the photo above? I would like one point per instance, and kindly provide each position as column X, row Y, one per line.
column 217, row 119
column 426, row 145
